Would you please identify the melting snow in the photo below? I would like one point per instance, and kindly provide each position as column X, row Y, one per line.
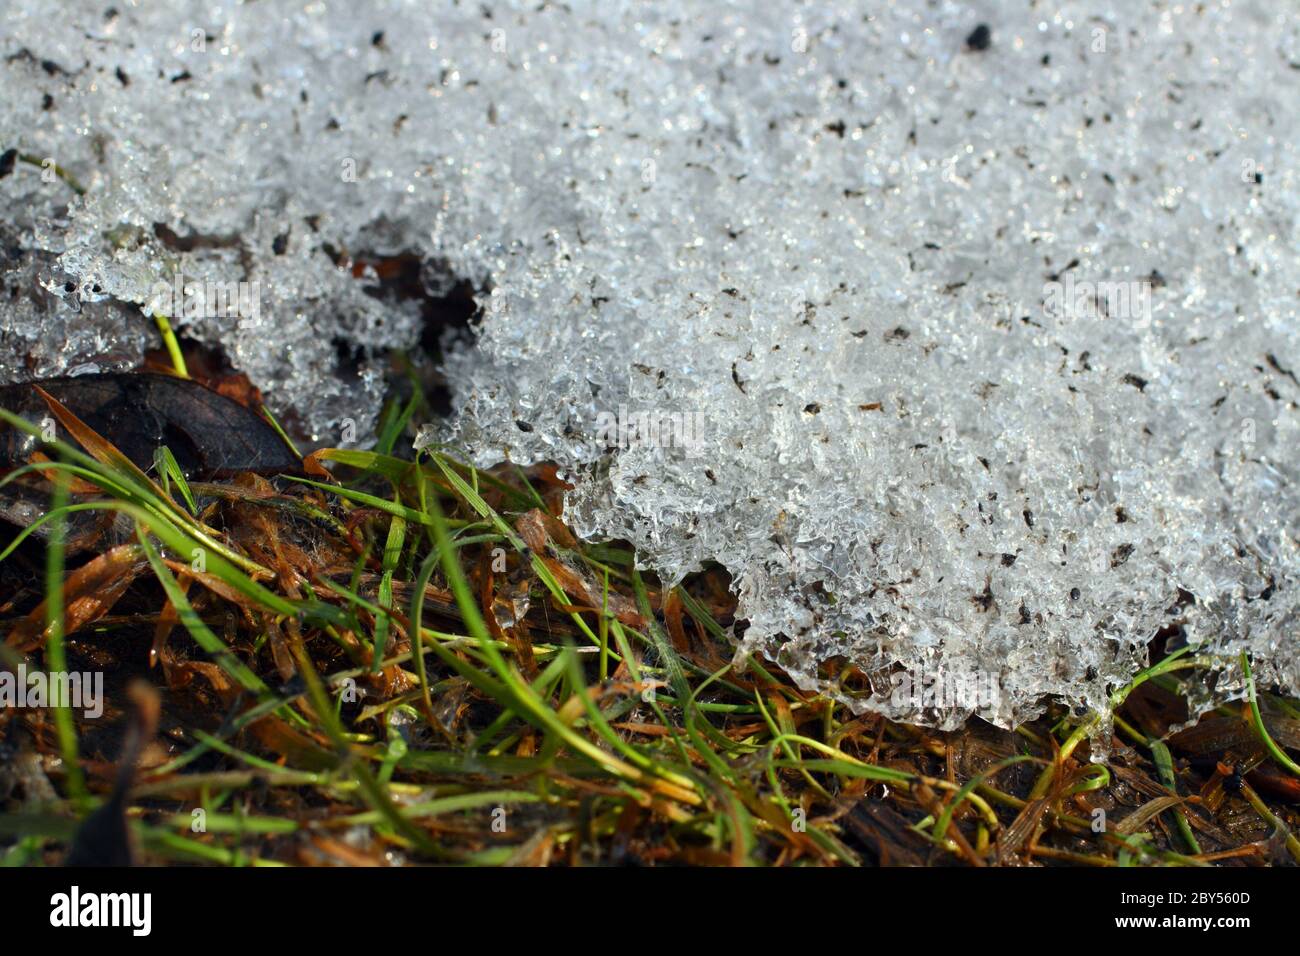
column 974, row 362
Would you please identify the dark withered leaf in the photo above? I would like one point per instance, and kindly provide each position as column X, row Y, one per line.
column 210, row 435
column 104, row 838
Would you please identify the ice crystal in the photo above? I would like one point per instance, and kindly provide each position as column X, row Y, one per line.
column 971, row 354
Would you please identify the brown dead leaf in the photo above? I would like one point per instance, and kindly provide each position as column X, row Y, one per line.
column 88, row 594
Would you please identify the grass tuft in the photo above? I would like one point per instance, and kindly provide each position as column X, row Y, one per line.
column 416, row 661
